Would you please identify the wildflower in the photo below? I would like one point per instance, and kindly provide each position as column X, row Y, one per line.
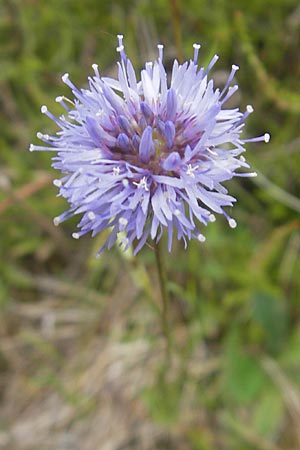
column 141, row 157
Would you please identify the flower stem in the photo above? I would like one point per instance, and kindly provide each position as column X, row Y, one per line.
column 165, row 299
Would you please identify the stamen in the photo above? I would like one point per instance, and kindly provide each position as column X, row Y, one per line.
column 120, row 47
column 120, row 39
column 212, row 152
column 196, row 52
column 56, row 221
column 62, row 99
column 91, row 215
column 142, row 184
column 116, row 171
column 232, row 223
column 190, row 171
column 65, row 77
column 42, row 136
column 75, row 235
column 212, row 218
column 160, row 51
column 57, row 183
column 234, row 69
column 266, row 138
column 211, row 64
column 95, row 69
column 201, row 238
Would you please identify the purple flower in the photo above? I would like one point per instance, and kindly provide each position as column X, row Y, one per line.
column 141, row 157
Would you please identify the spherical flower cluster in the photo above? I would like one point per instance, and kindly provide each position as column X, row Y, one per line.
column 143, row 156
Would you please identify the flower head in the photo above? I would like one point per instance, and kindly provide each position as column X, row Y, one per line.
column 144, row 156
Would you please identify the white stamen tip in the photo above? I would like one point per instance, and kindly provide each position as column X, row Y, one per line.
column 232, row 223
column 176, row 212
column 212, row 218
column 75, row 235
column 91, row 215
column 120, row 36
column 242, row 158
column 125, row 182
column 249, row 108
column 31, row 147
column 116, row 170
column 235, row 67
column 59, row 99
column 65, row 77
column 120, row 48
column 44, row 109
column 39, row 135
column 267, row 137
column 196, row 46
column 57, row 183
column 160, row 46
column 56, row 221
column 95, row 67
column 201, row 238
column 142, row 184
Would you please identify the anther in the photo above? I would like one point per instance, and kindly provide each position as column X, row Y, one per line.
column 160, row 51
column 267, row 137
column 190, row 171
column 65, row 77
column 56, row 221
column 116, row 171
column 95, row 69
column 142, row 184
column 196, row 52
column 232, row 223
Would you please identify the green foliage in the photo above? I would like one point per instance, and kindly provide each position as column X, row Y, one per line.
column 236, row 296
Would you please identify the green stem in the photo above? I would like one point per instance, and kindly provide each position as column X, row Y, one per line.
column 165, row 298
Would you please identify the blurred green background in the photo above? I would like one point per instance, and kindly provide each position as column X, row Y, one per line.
column 81, row 343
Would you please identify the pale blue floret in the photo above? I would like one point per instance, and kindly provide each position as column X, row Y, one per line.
column 140, row 157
